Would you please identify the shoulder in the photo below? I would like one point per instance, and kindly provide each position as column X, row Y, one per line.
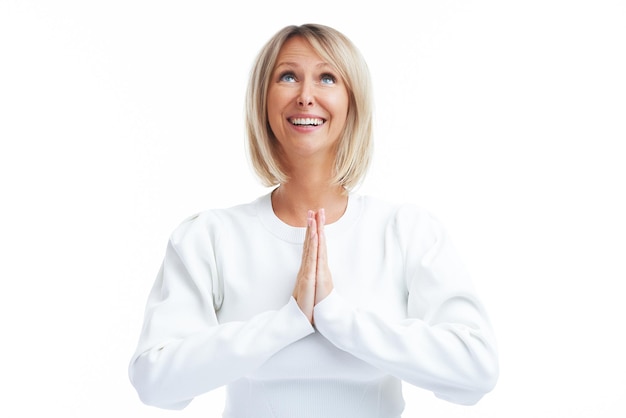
column 210, row 223
column 402, row 213
column 406, row 220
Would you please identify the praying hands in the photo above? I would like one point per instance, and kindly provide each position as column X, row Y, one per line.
column 314, row 281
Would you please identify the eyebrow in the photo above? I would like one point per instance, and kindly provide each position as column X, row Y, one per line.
column 293, row 64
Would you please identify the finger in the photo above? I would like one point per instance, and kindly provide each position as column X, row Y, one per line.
column 321, row 244
column 323, row 278
column 304, row 291
column 307, row 236
column 309, row 252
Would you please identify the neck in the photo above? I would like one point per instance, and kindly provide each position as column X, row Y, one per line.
column 292, row 200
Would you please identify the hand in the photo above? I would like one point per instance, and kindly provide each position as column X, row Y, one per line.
column 304, row 291
column 323, row 278
column 314, row 281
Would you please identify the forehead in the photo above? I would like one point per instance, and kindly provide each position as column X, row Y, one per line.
column 297, row 50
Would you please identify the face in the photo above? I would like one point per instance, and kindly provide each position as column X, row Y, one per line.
column 307, row 102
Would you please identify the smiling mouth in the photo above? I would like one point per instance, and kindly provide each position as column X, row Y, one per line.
column 307, row 121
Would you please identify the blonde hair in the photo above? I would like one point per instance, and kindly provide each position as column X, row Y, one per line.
column 354, row 147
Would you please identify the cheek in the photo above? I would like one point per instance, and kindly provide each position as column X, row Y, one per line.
column 272, row 108
column 275, row 107
column 275, row 103
column 340, row 101
column 340, row 105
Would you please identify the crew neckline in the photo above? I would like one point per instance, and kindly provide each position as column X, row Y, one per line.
column 295, row 234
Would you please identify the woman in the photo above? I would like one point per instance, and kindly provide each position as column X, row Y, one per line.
column 312, row 301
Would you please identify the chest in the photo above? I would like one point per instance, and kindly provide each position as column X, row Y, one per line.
column 259, row 274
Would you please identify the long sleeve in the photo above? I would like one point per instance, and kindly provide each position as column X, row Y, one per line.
column 183, row 350
column 445, row 344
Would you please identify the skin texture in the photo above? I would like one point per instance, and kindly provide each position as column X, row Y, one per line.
column 314, row 281
column 304, row 86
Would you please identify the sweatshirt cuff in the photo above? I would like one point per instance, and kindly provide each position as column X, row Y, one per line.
column 332, row 316
column 295, row 319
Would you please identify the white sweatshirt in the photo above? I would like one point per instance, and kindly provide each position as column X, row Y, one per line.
column 402, row 308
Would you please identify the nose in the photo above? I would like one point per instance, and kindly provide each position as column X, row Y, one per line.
column 305, row 95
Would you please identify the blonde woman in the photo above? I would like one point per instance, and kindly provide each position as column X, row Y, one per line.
column 312, row 301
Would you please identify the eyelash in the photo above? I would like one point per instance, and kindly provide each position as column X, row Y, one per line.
column 324, row 76
column 330, row 76
column 286, row 74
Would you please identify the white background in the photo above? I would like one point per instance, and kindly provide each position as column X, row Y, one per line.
column 118, row 119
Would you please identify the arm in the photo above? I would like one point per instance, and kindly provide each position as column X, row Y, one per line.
column 183, row 350
column 446, row 343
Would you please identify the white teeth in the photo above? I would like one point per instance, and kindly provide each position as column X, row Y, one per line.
column 307, row 121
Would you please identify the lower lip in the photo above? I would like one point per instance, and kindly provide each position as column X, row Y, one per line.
column 306, row 128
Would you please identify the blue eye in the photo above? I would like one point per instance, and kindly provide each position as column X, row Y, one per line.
column 288, row 77
column 328, row 79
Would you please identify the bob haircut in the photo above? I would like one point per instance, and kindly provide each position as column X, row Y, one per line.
column 354, row 148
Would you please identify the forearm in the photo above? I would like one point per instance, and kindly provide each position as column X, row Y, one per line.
column 457, row 361
column 170, row 374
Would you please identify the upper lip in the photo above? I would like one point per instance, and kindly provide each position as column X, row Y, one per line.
column 305, row 116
